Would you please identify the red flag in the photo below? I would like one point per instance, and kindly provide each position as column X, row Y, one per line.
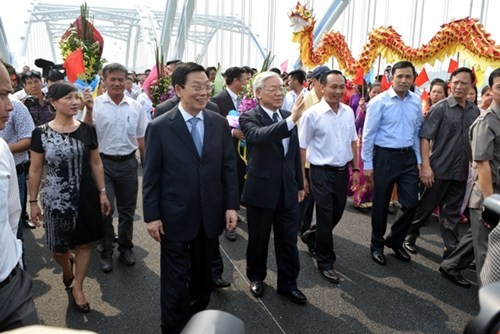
column 425, row 100
column 385, row 85
column 74, row 65
column 421, row 78
column 453, row 66
column 358, row 79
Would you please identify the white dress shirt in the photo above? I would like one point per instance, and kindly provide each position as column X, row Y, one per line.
column 10, row 210
column 234, row 97
column 290, row 99
column 118, row 126
column 327, row 135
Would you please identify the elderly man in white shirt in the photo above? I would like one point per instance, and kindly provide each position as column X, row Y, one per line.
column 15, row 283
column 328, row 140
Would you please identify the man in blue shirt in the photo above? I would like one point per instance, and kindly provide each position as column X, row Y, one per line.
column 391, row 155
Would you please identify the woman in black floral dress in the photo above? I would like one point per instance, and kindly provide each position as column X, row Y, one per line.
column 74, row 198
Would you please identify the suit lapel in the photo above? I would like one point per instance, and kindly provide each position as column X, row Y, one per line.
column 267, row 121
column 180, row 128
column 208, row 123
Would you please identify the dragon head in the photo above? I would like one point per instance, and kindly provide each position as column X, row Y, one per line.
column 301, row 17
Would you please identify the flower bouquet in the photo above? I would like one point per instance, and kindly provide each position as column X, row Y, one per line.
column 158, row 85
column 81, row 47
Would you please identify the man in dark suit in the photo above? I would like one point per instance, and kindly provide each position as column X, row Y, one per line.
column 190, row 188
column 174, row 101
column 217, row 263
column 229, row 99
column 274, row 186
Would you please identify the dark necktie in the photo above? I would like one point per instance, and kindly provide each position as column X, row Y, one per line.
column 196, row 134
column 276, row 118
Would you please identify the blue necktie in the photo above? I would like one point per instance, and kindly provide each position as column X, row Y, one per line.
column 196, row 134
column 276, row 118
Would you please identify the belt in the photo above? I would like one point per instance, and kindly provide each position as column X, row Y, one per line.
column 118, row 157
column 399, row 150
column 20, row 168
column 7, row 280
column 332, row 168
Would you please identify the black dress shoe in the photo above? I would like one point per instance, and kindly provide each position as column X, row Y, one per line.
column 400, row 253
column 330, row 275
column 410, row 247
column 457, row 279
column 256, row 288
column 295, row 296
column 378, row 257
column 220, row 283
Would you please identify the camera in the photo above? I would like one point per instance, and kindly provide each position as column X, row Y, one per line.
column 491, row 213
column 30, row 101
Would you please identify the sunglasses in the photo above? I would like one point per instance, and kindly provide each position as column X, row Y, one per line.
column 32, row 73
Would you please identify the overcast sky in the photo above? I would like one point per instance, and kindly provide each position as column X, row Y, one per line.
column 398, row 13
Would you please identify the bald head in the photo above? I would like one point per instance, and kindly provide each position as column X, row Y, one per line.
column 5, row 90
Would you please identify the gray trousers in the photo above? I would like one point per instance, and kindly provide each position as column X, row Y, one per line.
column 449, row 196
column 121, row 188
column 473, row 245
column 17, row 308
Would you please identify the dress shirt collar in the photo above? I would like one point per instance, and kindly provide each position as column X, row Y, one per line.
column 495, row 108
column 393, row 94
column 107, row 98
column 452, row 102
column 187, row 116
column 323, row 107
column 270, row 113
column 233, row 95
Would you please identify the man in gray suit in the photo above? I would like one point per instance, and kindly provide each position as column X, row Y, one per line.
column 190, row 188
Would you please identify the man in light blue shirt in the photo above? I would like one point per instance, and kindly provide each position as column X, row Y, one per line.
column 391, row 155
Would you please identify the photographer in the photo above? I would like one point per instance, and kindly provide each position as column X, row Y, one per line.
column 39, row 110
column 485, row 142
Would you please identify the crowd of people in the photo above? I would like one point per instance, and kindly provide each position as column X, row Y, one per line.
column 312, row 140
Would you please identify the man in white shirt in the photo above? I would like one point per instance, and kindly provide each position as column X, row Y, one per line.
column 296, row 87
column 121, row 125
column 15, row 283
column 327, row 135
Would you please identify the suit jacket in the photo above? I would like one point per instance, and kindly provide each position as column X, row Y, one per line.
column 268, row 169
column 174, row 101
column 224, row 101
column 182, row 189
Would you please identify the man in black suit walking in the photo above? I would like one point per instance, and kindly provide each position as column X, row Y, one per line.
column 190, row 188
column 274, row 186
column 174, row 101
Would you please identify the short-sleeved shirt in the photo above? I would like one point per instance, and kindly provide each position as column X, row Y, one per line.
column 328, row 136
column 447, row 127
column 19, row 126
column 118, row 126
column 485, row 143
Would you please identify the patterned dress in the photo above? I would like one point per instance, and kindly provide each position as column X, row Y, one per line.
column 71, row 206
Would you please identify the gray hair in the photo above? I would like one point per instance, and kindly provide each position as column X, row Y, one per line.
column 259, row 80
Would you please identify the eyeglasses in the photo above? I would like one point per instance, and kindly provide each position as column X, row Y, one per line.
column 274, row 90
column 198, row 89
column 32, row 73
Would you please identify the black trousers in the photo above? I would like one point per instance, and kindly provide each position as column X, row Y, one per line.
column 393, row 167
column 17, row 308
column 217, row 262
column 330, row 190
column 449, row 196
column 285, row 224
column 306, row 208
column 185, row 280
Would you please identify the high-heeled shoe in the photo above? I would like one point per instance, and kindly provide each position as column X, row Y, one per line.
column 82, row 308
column 68, row 281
